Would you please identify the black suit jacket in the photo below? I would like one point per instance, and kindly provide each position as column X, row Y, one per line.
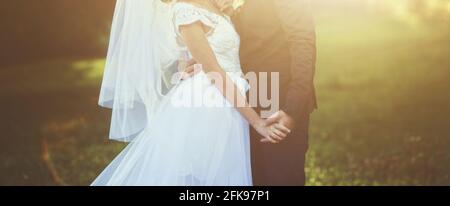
column 279, row 36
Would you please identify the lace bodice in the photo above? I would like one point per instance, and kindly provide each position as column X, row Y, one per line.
column 222, row 36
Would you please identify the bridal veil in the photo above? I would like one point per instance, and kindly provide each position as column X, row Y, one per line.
column 142, row 46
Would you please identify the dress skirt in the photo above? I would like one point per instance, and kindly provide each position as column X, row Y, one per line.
column 197, row 139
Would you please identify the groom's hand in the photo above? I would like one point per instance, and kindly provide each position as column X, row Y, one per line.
column 191, row 69
column 282, row 118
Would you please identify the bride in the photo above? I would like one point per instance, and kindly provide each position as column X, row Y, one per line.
column 195, row 134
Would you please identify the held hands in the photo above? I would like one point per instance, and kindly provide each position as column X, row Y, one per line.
column 278, row 122
column 274, row 129
column 272, row 133
column 282, row 118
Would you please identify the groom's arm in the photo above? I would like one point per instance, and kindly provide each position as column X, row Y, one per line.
column 297, row 21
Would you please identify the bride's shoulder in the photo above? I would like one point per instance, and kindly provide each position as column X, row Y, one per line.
column 187, row 13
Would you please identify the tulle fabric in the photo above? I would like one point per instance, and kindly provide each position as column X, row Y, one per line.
column 188, row 145
column 142, row 46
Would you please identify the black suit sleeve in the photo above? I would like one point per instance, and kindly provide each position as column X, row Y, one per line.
column 297, row 22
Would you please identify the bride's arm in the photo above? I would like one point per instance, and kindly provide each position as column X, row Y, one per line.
column 195, row 39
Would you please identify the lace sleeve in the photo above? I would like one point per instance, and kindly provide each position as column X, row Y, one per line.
column 185, row 14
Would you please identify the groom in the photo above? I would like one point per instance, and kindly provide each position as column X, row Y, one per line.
column 279, row 36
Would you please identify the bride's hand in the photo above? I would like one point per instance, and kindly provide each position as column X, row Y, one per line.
column 273, row 133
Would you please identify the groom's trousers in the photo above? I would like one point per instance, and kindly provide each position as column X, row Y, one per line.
column 281, row 164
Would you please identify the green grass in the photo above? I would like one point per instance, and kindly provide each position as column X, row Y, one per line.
column 383, row 117
column 384, row 104
column 54, row 101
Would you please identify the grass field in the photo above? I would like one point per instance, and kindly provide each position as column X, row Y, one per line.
column 383, row 120
column 384, row 104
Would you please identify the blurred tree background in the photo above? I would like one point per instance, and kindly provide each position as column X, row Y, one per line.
column 382, row 78
column 35, row 30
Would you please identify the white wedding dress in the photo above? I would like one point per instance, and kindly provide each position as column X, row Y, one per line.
column 192, row 145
